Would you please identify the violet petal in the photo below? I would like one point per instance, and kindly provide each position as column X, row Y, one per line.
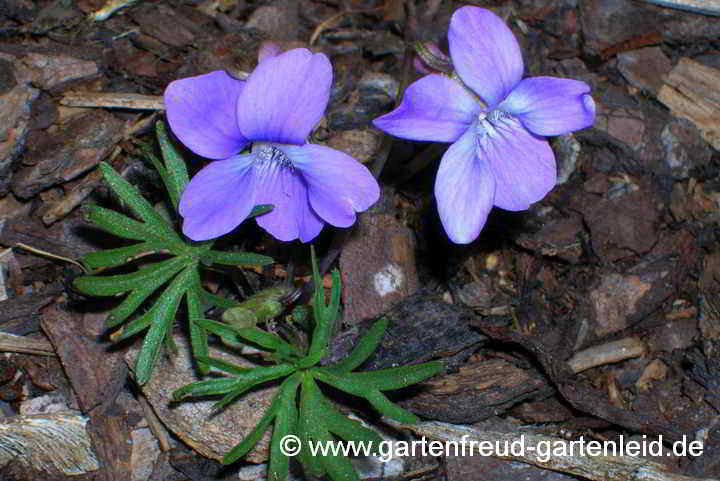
column 285, row 97
column 464, row 190
column 522, row 163
column 218, row 198
column 550, row 105
column 292, row 217
column 485, row 53
column 338, row 185
column 201, row 112
column 435, row 108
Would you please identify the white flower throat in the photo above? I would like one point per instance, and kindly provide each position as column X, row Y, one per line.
column 486, row 122
column 265, row 153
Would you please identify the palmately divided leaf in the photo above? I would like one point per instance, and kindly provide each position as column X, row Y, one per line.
column 316, row 420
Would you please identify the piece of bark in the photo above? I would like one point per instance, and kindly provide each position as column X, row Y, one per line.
column 692, row 91
column 16, row 98
column 378, row 263
column 480, row 389
column 75, row 193
column 422, row 327
column 96, row 374
column 53, row 71
column 644, row 68
column 76, row 147
column 166, row 24
column 21, row 315
column 210, row 433
column 113, row 443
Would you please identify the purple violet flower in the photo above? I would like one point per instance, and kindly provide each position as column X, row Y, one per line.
column 275, row 110
column 495, row 119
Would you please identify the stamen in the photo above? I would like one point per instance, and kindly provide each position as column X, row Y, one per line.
column 485, row 121
column 270, row 153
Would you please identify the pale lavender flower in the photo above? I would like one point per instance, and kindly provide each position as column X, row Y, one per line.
column 496, row 120
column 274, row 111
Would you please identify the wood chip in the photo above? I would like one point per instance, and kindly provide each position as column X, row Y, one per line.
column 48, row 442
column 13, row 343
column 113, row 100
column 692, row 92
column 708, row 7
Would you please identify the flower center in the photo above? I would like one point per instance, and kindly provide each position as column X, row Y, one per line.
column 265, row 153
column 486, row 121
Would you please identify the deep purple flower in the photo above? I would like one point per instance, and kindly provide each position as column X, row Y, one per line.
column 495, row 119
column 275, row 110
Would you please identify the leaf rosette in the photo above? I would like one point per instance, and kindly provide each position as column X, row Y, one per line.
column 300, row 407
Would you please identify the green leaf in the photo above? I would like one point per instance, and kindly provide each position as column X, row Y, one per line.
column 208, row 387
column 129, row 194
column 348, row 429
column 163, row 315
column 364, row 349
column 325, row 315
column 118, row 284
column 176, row 174
column 259, row 210
column 285, row 424
column 121, row 255
column 224, row 365
column 138, row 295
column 236, row 258
column 386, row 379
column 308, row 429
column 312, row 415
column 241, row 449
column 198, row 336
column 380, row 402
column 215, row 300
column 266, row 340
column 121, row 225
column 135, row 326
column 243, row 381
